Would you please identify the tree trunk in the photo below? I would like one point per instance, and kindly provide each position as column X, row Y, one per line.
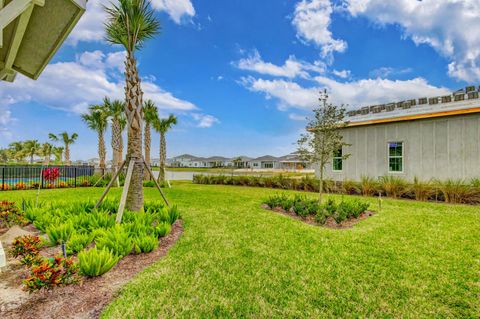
column 133, row 110
column 47, row 160
column 31, row 159
column 101, row 150
column 147, row 140
column 67, row 154
column 163, row 157
column 320, row 191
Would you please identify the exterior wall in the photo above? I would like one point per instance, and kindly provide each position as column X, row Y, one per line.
column 445, row 147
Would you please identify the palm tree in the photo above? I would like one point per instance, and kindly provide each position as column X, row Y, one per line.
column 67, row 141
column 17, row 151
column 4, row 155
column 58, row 153
column 96, row 120
column 31, row 148
column 130, row 23
column 150, row 115
column 162, row 126
column 46, row 151
column 115, row 111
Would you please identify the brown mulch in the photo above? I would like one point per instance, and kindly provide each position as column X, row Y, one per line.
column 87, row 299
column 330, row 223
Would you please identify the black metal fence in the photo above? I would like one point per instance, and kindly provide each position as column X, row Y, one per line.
column 19, row 177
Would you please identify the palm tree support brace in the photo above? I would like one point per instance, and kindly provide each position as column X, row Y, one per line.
column 128, row 178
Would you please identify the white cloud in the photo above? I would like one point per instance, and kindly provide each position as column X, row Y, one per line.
column 446, row 25
column 72, row 86
column 341, row 74
column 204, row 120
column 296, row 117
column 5, row 120
column 91, row 27
column 355, row 93
column 385, row 72
column 177, row 9
column 292, row 67
column 312, row 19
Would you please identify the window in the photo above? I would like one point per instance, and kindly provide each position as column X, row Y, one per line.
column 395, row 157
column 338, row 160
column 268, row 165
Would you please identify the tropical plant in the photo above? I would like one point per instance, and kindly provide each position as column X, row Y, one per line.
column 51, row 273
column 95, row 262
column 46, row 151
column 116, row 112
column 422, row 190
column 59, row 233
column 368, row 185
column 323, row 137
column 31, row 148
column 67, row 140
column 457, row 191
column 17, row 151
column 162, row 126
column 130, row 23
column 77, row 242
column 96, row 120
column 145, row 243
column 58, row 153
column 115, row 239
column 393, row 186
column 150, row 115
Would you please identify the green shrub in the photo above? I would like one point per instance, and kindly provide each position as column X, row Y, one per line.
column 350, row 187
column 304, row 206
column 162, row 229
column 475, row 182
column 115, row 239
column 173, row 214
column 95, row 262
column 59, row 233
column 149, row 183
column 349, row 209
column 77, row 242
column 50, row 273
column 145, row 244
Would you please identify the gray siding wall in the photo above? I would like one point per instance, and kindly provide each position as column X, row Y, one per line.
column 446, row 147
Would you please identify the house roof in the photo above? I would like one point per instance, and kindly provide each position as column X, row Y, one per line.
column 266, row 158
column 414, row 109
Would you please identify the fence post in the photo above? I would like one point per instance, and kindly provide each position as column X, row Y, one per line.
column 41, row 178
column 75, row 174
column 3, row 178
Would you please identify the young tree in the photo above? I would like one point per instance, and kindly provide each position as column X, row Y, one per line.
column 116, row 112
column 162, row 126
column 323, row 137
column 130, row 23
column 150, row 115
column 58, row 153
column 17, row 151
column 67, row 140
column 96, row 120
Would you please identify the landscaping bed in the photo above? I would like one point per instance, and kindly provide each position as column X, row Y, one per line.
column 331, row 214
column 68, row 260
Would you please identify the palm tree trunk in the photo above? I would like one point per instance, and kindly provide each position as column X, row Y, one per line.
column 133, row 107
column 163, row 157
column 147, row 141
column 101, row 151
column 117, row 144
column 67, row 154
column 47, row 160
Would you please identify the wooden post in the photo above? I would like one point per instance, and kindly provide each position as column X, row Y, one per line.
column 105, row 192
column 123, row 199
column 156, row 183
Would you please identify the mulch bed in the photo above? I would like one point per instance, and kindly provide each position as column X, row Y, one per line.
column 330, row 223
column 87, row 299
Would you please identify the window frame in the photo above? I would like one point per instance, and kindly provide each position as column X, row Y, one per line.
column 337, row 158
column 402, row 157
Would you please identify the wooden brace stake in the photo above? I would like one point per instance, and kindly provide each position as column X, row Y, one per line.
column 123, row 199
column 156, row 183
column 105, row 192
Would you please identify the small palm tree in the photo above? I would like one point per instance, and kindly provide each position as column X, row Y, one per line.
column 31, row 148
column 46, row 151
column 17, row 151
column 67, row 140
column 115, row 112
column 58, row 153
column 130, row 23
column 150, row 115
column 162, row 126
column 96, row 120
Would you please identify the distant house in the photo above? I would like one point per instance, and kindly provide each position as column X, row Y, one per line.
column 266, row 161
column 292, row 162
column 427, row 138
column 242, row 162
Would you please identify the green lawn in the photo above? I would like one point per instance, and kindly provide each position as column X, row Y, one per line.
column 411, row 260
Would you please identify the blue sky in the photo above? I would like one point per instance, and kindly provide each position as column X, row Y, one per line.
column 242, row 75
